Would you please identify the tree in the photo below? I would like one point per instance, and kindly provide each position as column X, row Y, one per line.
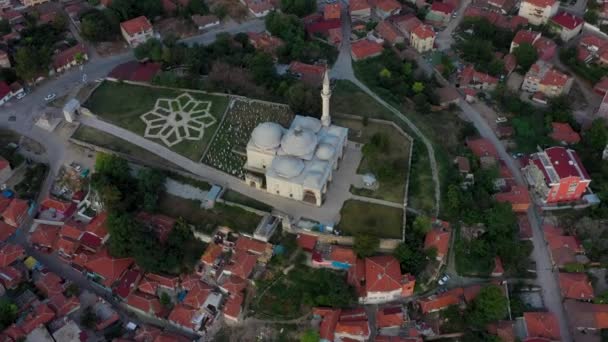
column 262, row 68
column 72, row 290
column 365, row 245
column 310, row 335
column 197, row 7
column 98, row 26
column 303, row 99
column 8, row 313
column 422, row 224
column 89, row 318
column 597, row 136
column 165, row 300
column 591, row 16
column 298, row 7
column 490, row 305
column 5, row 27
column 526, row 55
column 413, row 259
column 418, row 87
column 152, row 49
column 421, row 103
column 150, row 183
column 31, row 62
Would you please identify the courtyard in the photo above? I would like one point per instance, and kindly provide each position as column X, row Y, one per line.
column 183, row 121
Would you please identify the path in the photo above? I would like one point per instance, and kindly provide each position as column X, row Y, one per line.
column 377, row 201
column 343, row 70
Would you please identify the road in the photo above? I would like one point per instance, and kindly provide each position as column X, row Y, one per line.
column 444, row 38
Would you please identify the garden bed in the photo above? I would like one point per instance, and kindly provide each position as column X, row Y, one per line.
column 362, row 217
column 123, row 104
column 235, row 131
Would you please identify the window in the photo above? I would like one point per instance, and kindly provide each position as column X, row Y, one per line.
column 572, row 187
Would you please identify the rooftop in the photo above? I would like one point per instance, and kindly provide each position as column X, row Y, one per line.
column 136, row 25
column 542, row 324
column 564, row 132
column 109, row 268
column 364, row 48
column 541, row 3
column 67, row 56
column 567, row 20
column 575, row 286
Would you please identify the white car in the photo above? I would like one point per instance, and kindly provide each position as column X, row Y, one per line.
column 443, row 279
column 49, row 97
column 501, row 119
column 20, row 96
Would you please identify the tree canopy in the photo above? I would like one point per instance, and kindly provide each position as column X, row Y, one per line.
column 365, row 245
column 98, row 26
column 298, row 7
column 490, row 305
column 526, row 55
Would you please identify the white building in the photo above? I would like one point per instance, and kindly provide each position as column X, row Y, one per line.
column 298, row 162
column 538, row 12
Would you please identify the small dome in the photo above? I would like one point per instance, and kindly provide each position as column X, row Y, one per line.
column 299, row 142
column 287, row 167
column 267, row 135
column 330, row 140
column 313, row 180
column 307, row 122
column 325, row 152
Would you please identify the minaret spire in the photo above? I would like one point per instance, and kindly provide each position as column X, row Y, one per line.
column 326, row 95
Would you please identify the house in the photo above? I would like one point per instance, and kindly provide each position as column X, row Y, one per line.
column 97, row 226
column 440, row 13
column 545, row 48
column 363, row 49
column 306, row 242
column 447, row 96
column 470, row 78
column 185, row 317
column 40, row 316
column 259, row 8
column 59, row 208
column 390, row 319
column 63, row 305
column 10, row 277
column 441, row 301
column 544, row 78
column 233, row 308
column 332, row 11
column 498, row 270
column 144, row 303
column 197, row 295
column 510, row 63
column 334, row 36
column 5, row 61
column 105, row 269
column 464, row 166
column 5, row 93
column 586, row 320
column 16, row 212
column 538, row 12
column 29, row 3
column 556, row 175
column 135, row 71
column 5, row 170
column 336, row 257
column 310, row 74
column 422, row 38
column 359, row 9
column 231, row 284
column 590, row 47
column 406, row 23
column 564, row 249
column 265, row 42
column 504, row 330
column 70, row 332
column 212, row 253
column 127, row 283
column 524, row 37
column 438, row 237
column 386, row 8
column 50, row 284
column 242, row 264
column 564, row 133
column 342, row 325
column 501, row 6
column 324, row 28
column 136, row 31
column 518, row 197
column 205, row 21
column 482, row 147
column 44, row 236
column 378, row 279
column 542, row 324
column 389, row 33
column 567, row 25
column 576, row 286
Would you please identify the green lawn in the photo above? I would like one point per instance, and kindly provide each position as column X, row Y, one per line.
column 207, row 220
column 397, row 155
column 123, row 104
column 102, row 139
column 347, row 98
column 236, row 197
column 227, row 151
column 362, row 217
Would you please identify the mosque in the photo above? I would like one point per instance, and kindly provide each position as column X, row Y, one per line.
column 298, row 162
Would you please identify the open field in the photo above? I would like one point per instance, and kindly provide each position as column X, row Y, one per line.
column 227, row 151
column 380, row 220
column 397, row 155
column 123, row 104
column 206, row 220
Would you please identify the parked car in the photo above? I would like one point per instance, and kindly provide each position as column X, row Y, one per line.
column 20, row 96
column 50, row 96
column 443, row 280
column 501, row 119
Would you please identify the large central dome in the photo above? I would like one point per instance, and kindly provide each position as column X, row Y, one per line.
column 299, row 142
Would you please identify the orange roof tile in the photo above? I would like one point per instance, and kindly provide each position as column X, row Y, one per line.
column 70, row 231
column 109, row 268
column 541, row 3
column 242, row 264
column 518, row 197
column 148, row 286
column 147, row 333
column 144, row 302
column 250, row 245
column 64, row 305
column 328, row 324
column 233, row 284
column 40, row 316
column 163, row 280
column 388, row 5
column 66, row 246
column 439, row 239
column 4, row 203
column 98, row 225
column 343, row 254
column 390, row 317
column 211, row 254
column 59, row 206
column 15, row 332
column 232, row 308
column 564, row 132
column 423, row 31
column 364, row 48
column 382, row 274
column 526, row 36
column 50, row 284
column 358, row 5
column 182, row 315
column 575, row 286
column 306, row 242
column 9, row 253
column 197, row 296
column 136, row 25
column 15, row 213
column 441, row 301
column 482, row 147
column 6, row 230
column 331, row 11
column 542, row 324
column 353, row 328
column 44, row 235
column 388, row 32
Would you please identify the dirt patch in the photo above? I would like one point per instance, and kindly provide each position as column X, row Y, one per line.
column 111, row 48
column 178, row 27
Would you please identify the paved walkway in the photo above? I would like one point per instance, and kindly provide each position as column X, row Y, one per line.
column 377, row 201
column 337, row 194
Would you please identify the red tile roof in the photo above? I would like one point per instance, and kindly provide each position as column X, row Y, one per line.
column 211, row 254
column 4, row 202
column 441, row 301
column 63, row 305
column 163, row 280
column 542, row 324
column 575, row 286
column 482, row 147
column 109, row 268
column 498, row 268
column 66, row 246
column 310, row 74
column 423, row 31
column 564, row 132
column 148, row 286
column 44, row 235
column 233, row 284
column 97, row 226
column 388, row 32
column 127, row 283
column 307, row 242
column 6, row 231
column 136, row 25
column 567, row 20
column 248, row 244
column 358, row 5
column 242, row 264
column 68, row 56
column 70, row 231
column 265, row 42
column 182, row 315
column 541, row 3
column 388, row 5
column 364, row 48
column 518, row 197
column 438, row 238
column 40, row 316
column 161, row 224
column 16, row 212
column 390, row 317
column 259, row 6
column 50, row 284
column 144, row 302
column 91, row 241
column 343, row 254
column 505, row 330
column 4, row 89
column 147, row 333
column 353, row 328
column 197, row 296
column 331, row 11
column 442, row 7
column 323, row 26
column 233, row 305
column 135, row 71
column 382, row 274
column 9, row 253
column 566, row 162
column 526, row 36
column 15, row 332
column 328, row 324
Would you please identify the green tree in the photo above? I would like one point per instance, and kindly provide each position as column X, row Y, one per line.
column 262, row 68
column 413, row 259
column 197, row 7
column 418, row 87
column 165, row 300
column 591, row 16
column 490, row 305
column 453, row 203
column 89, row 318
column 597, row 135
column 303, row 99
column 526, row 55
column 31, row 62
column 421, row 103
column 422, row 224
column 385, row 73
column 8, row 313
column 5, row 27
column 152, row 49
column 298, row 7
column 150, row 183
column 310, row 336
column 365, row 245
column 98, row 26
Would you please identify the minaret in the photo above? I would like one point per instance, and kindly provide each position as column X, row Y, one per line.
column 325, row 95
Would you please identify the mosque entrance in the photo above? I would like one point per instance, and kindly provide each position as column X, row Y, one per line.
column 310, row 197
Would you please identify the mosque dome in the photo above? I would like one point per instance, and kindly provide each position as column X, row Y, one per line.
column 287, row 167
column 299, row 142
column 330, row 140
column 325, row 152
column 313, row 180
column 267, row 135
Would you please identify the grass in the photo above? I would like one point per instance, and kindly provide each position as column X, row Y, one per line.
column 362, row 217
column 347, row 98
column 227, row 150
column 398, row 154
column 108, row 141
column 123, row 104
column 236, row 197
column 206, row 220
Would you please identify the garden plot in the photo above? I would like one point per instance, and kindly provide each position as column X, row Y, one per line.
column 227, row 150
